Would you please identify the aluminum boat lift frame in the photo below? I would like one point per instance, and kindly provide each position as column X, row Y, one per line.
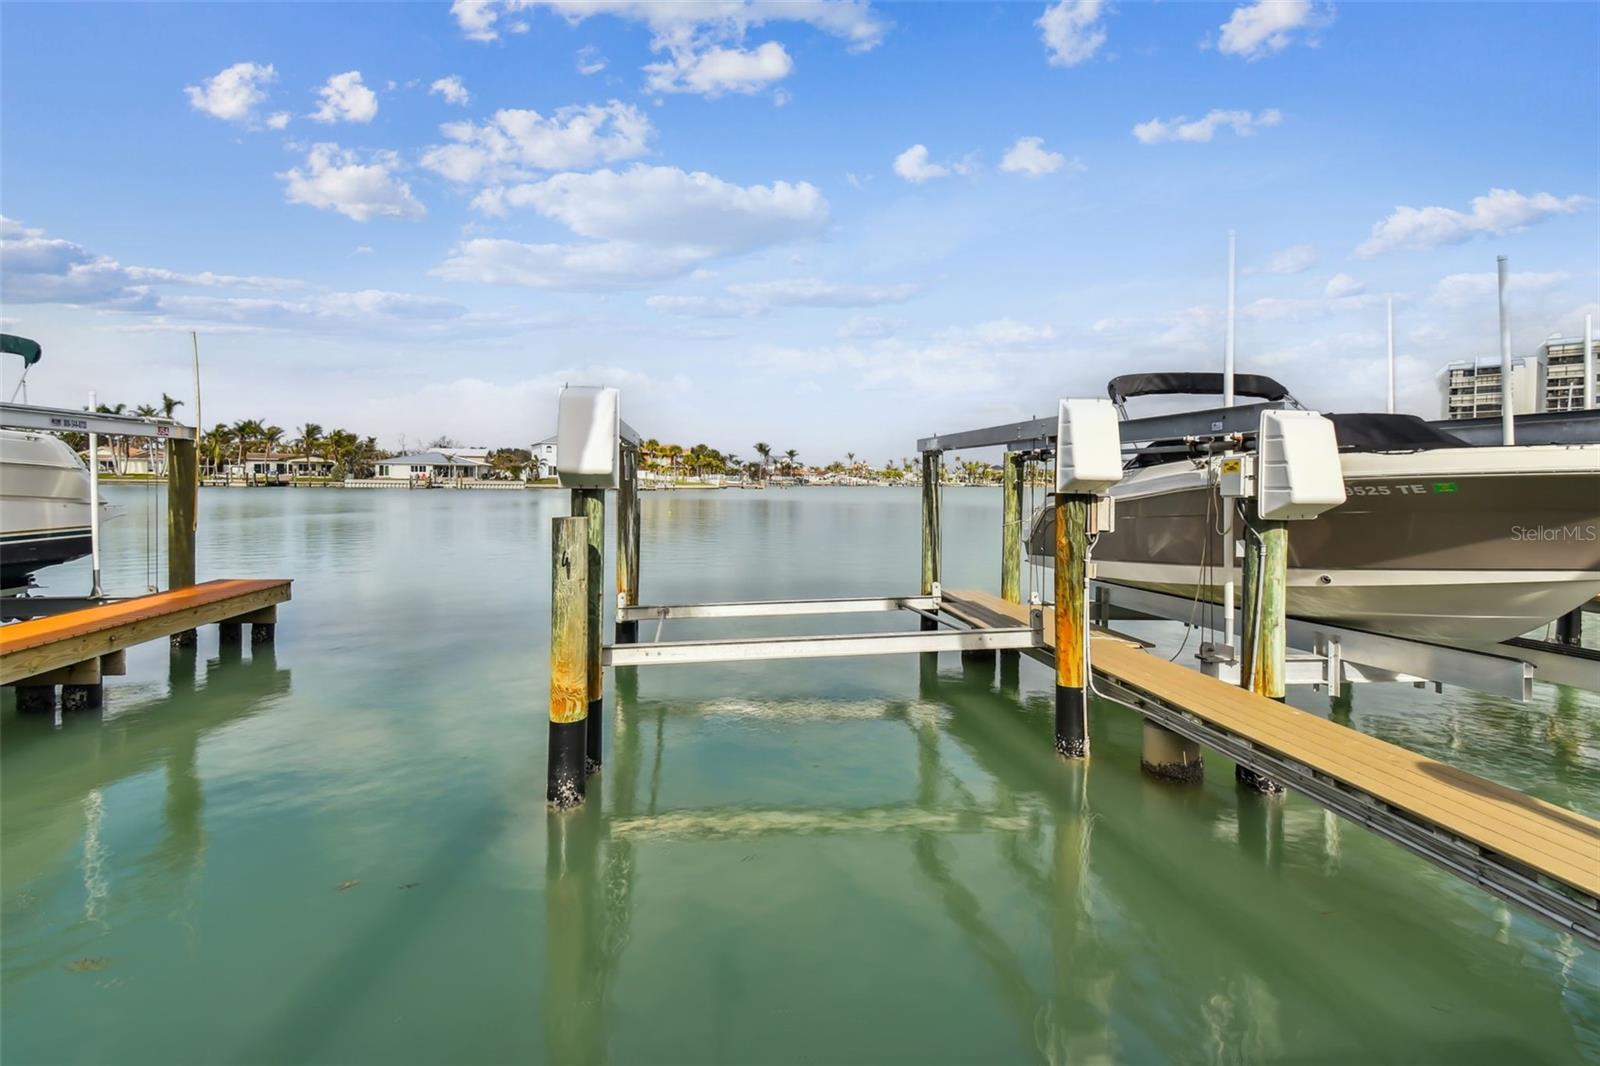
column 1326, row 654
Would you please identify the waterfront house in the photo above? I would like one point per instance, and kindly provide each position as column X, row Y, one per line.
column 434, row 466
column 277, row 468
column 544, row 454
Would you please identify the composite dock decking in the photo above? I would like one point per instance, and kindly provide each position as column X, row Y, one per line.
column 40, row 645
column 1540, row 837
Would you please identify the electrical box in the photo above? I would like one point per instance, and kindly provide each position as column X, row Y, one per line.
column 1088, row 447
column 1298, row 473
column 1236, row 477
column 588, row 428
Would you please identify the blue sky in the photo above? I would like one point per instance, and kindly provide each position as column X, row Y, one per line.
column 830, row 226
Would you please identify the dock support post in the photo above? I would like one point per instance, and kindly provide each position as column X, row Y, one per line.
column 628, row 541
column 36, row 699
column 1072, row 638
column 1569, row 628
column 183, row 483
column 932, row 462
column 1263, row 664
column 1012, row 473
column 1167, row 755
column 569, row 660
column 591, row 503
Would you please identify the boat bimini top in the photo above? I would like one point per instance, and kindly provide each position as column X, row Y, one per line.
column 1354, row 432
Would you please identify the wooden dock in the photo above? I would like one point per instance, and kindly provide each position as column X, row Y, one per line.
column 70, row 648
column 1524, row 849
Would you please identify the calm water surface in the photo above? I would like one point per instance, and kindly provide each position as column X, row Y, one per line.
column 337, row 850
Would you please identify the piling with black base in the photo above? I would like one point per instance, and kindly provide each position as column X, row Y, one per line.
column 82, row 697
column 569, row 645
column 36, row 699
column 628, row 540
column 932, row 463
column 591, row 504
column 1167, row 755
column 1072, row 556
column 183, row 487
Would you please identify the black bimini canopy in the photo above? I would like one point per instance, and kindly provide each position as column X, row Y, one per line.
column 1127, row 386
column 1390, row 433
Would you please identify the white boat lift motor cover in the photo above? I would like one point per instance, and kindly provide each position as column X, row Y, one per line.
column 588, row 431
column 1088, row 447
column 1298, row 474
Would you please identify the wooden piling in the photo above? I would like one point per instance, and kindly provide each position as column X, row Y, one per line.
column 932, row 463
column 569, row 660
column 1167, row 755
column 628, row 542
column 1011, row 529
column 183, row 486
column 591, row 503
column 1264, row 651
column 1072, row 554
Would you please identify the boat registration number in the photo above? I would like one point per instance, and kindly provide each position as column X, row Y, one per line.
column 1400, row 490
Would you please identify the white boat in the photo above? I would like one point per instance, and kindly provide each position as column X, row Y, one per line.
column 1436, row 540
column 44, row 506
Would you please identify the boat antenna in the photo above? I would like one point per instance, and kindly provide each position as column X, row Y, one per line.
column 1508, row 433
column 1227, row 347
column 1390, row 309
column 1588, row 362
column 95, row 590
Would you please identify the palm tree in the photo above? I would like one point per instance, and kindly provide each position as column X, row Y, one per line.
column 764, row 450
column 216, row 442
column 169, row 405
column 310, row 439
column 270, row 436
column 789, row 457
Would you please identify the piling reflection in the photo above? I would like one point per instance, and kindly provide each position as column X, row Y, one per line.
column 55, row 780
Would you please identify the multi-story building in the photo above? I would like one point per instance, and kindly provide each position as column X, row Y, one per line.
column 1472, row 390
column 1563, row 358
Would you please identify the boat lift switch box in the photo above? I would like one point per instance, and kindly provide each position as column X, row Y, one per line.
column 588, row 429
column 1236, row 477
column 1088, row 447
column 1298, row 473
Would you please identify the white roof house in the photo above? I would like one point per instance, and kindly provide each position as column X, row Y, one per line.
column 433, row 466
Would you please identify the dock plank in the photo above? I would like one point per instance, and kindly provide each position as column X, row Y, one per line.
column 1555, row 841
column 39, row 645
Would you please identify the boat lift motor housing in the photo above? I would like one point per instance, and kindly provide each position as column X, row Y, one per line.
column 1089, row 456
column 1298, row 473
column 588, row 432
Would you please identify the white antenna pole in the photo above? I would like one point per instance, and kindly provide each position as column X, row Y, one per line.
column 1227, row 348
column 1227, row 515
column 94, row 506
column 1390, row 305
column 1588, row 362
column 194, row 339
column 1508, row 433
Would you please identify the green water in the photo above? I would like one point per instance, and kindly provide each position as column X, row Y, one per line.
column 337, row 850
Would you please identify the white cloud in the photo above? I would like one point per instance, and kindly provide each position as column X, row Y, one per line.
column 644, row 224
column 233, row 93
column 912, row 165
column 335, row 178
column 514, row 142
column 1291, row 260
column 1072, row 31
column 749, row 299
column 668, row 207
column 1267, row 26
column 1462, row 290
column 1001, row 333
column 703, row 40
column 866, row 327
column 1029, row 156
column 453, row 91
column 717, row 70
column 345, row 99
column 1498, row 211
column 278, row 120
column 1243, row 123
column 851, row 20
column 590, row 61
column 1343, row 285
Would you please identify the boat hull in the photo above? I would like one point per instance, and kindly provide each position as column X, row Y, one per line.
column 1470, row 546
column 44, row 506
